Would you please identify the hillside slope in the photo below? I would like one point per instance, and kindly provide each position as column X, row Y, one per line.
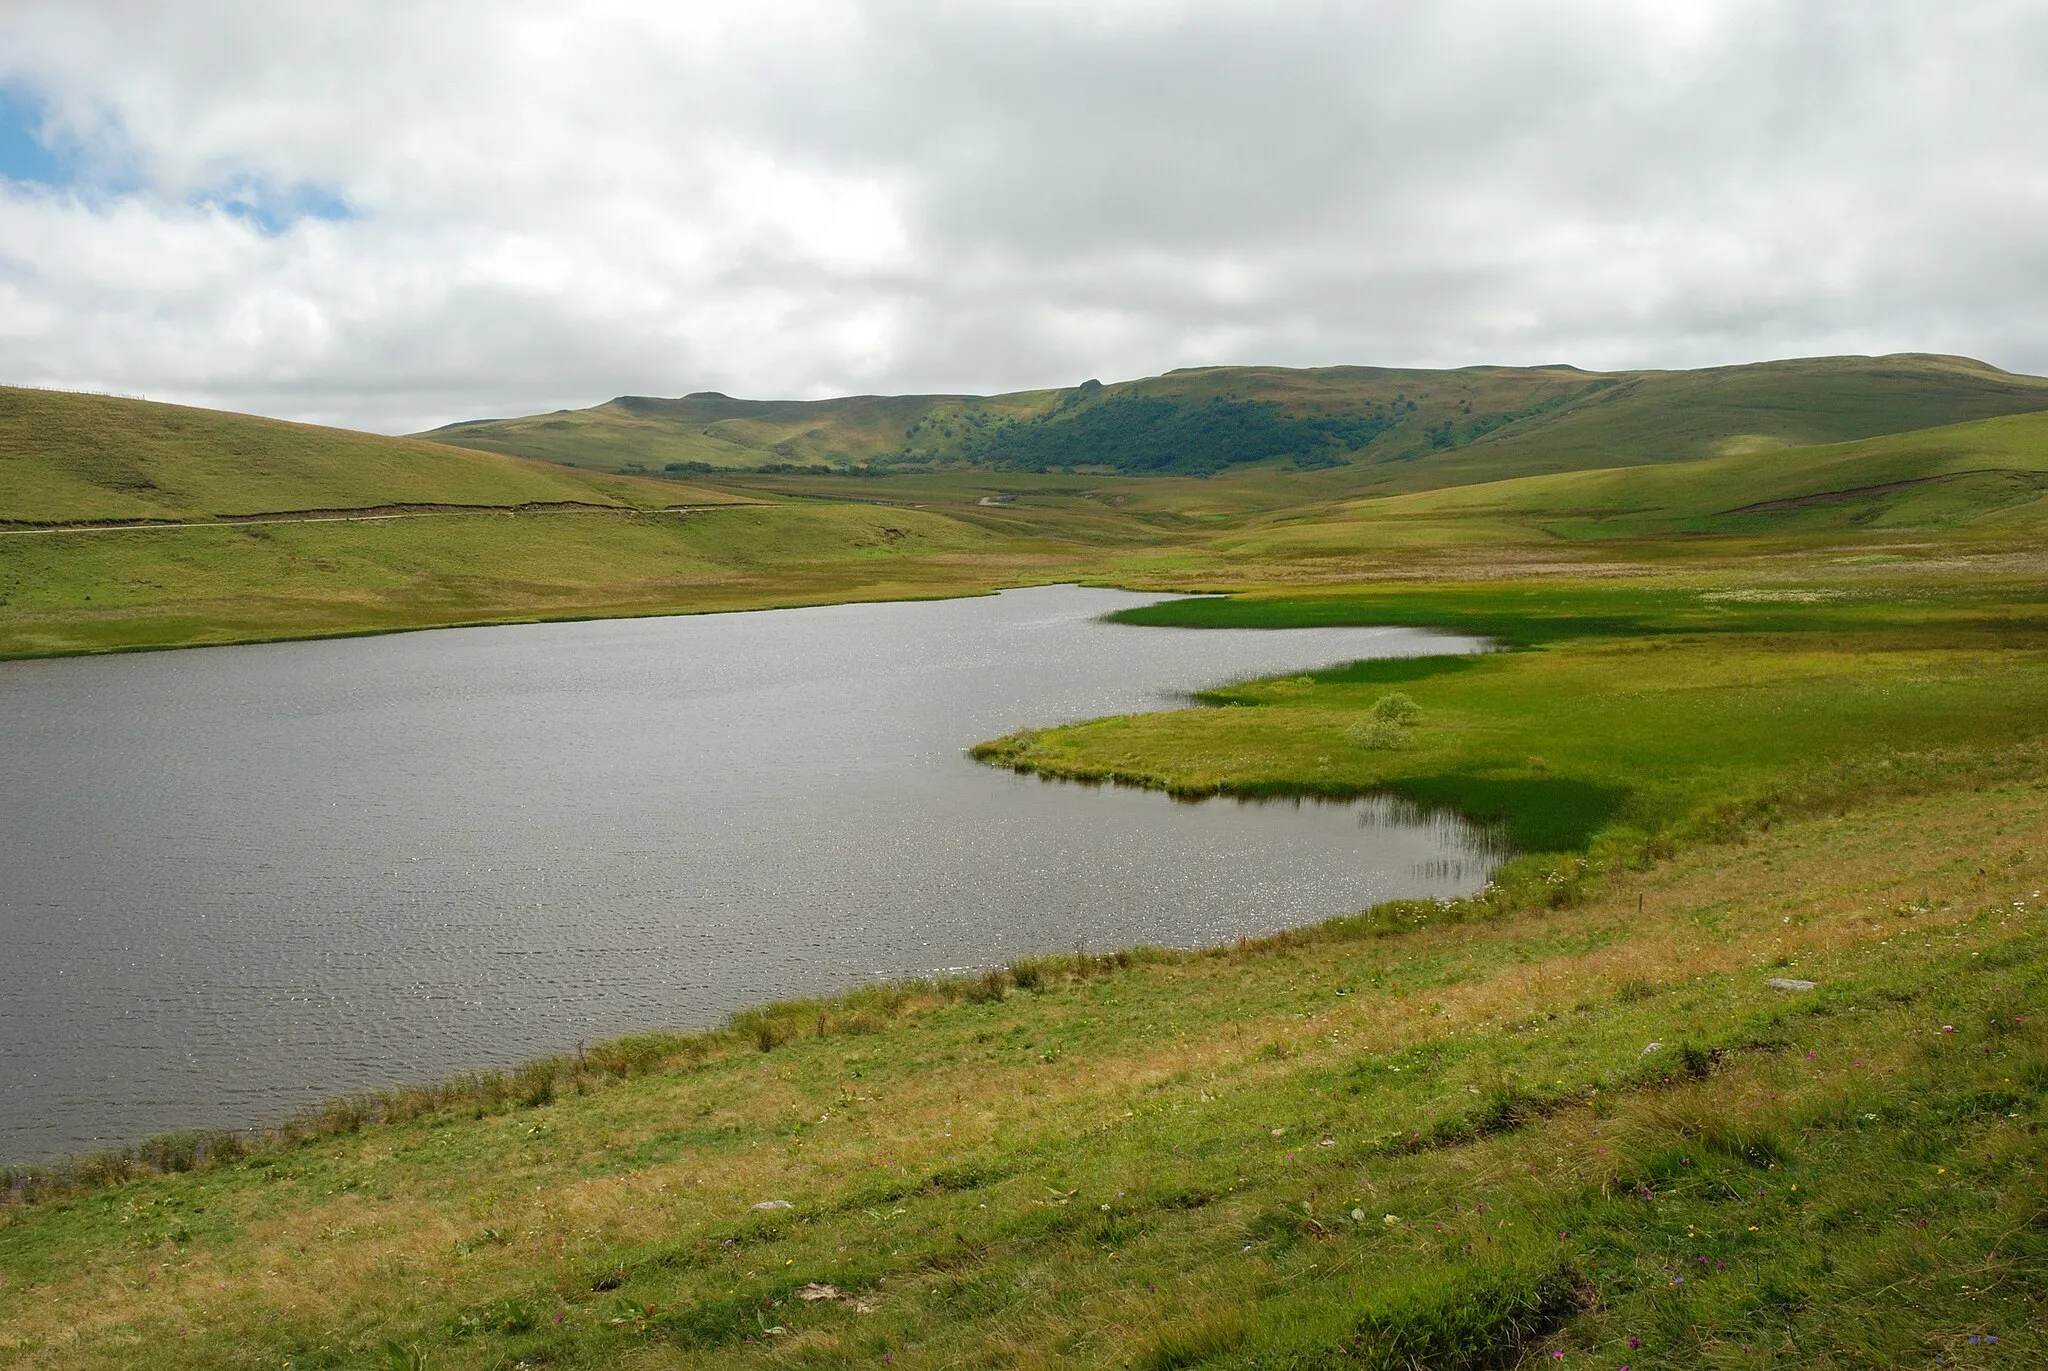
column 317, row 563
column 1988, row 475
column 1386, row 428
column 67, row 458
column 644, row 433
column 1679, row 416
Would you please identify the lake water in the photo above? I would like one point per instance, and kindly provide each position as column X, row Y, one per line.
column 237, row 881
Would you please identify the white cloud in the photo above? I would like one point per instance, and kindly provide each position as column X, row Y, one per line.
column 552, row 204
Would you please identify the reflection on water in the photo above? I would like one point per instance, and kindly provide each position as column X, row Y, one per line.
column 240, row 880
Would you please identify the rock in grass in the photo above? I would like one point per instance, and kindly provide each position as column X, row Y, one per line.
column 1790, row 983
column 775, row 1204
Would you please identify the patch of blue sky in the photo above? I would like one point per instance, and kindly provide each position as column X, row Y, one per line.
column 35, row 151
column 24, row 155
column 33, row 154
column 272, row 209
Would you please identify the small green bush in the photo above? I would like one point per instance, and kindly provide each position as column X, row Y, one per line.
column 1397, row 708
column 1375, row 734
column 1387, row 725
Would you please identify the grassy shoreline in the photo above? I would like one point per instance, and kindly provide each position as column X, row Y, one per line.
column 1528, row 883
column 259, row 638
column 1160, row 1159
column 1575, row 814
column 239, row 583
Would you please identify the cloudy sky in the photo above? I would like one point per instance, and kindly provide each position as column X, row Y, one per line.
column 396, row 215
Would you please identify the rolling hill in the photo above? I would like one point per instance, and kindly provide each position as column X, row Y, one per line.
column 709, row 431
column 243, row 528
column 1382, row 428
column 72, row 458
column 1988, row 477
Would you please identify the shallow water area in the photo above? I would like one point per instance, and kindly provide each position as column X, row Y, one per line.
column 238, row 881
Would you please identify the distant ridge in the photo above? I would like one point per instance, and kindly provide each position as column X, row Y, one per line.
column 1385, row 428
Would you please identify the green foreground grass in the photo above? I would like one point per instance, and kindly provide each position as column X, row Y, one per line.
column 1436, row 1136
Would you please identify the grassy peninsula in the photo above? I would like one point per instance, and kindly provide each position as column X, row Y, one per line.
column 1742, row 1061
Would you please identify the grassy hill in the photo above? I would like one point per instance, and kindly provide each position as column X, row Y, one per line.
column 1384, row 428
column 1676, row 416
column 68, row 457
column 636, row 433
column 819, row 538
column 1987, row 478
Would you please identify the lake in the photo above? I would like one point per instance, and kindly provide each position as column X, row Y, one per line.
column 237, row 881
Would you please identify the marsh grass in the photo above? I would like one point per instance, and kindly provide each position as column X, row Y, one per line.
column 1636, row 711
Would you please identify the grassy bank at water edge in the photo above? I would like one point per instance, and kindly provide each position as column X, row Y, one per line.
column 1596, row 1130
